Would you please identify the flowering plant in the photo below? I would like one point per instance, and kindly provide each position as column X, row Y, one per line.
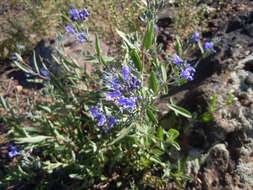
column 101, row 127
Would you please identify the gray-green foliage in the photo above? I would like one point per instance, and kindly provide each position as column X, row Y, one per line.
column 62, row 144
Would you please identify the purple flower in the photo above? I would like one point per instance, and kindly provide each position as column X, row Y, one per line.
column 208, row 46
column 135, row 83
column 156, row 28
column 127, row 103
column 94, row 112
column 101, row 119
column 196, row 36
column 99, row 116
column 139, row 97
column 13, row 152
column 84, row 14
column 113, row 83
column 70, row 29
column 81, row 37
column 126, row 72
column 44, row 73
column 113, row 95
column 188, row 73
column 74, row 14
column 111, row 122
column 177, row 60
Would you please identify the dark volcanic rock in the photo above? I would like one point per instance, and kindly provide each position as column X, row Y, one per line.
column 223, row 144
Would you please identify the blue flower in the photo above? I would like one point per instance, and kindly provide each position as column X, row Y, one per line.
column 113, row 95
column 135, row 83
column 156, row 28
column 127, row 103
column 111, row 122
column 188, row 73
column 99, row 116
column 70, row 29
column 177, row 60
column 84, row 14
column 13, row 152
column 74, row 14
column 126, row 72
column 94, row 112
column 45, row 73
column 209, row 46
column 81, row 37
column 196, row 36
column 101, row 119
column 112, row 82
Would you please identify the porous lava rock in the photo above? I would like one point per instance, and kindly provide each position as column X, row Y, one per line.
column 220, row 151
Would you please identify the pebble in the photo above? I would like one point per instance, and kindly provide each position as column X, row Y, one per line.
column 249, row 79
column 247, row 52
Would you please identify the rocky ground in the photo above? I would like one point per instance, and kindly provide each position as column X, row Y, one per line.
column 220, row 150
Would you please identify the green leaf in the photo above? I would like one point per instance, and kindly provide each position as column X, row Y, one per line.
column 157, row 161
column 35, row 62
column 153, row 82
column 45, row 108
column 124, row 37
column 20, row 130
column 22, row 66
column 124, row 132
column 173, row 134
column 201, row 47
column 164, row 73
column 149, row 37
column 179, row 110
column 157, row 152
column 4, row 103
column 206, row 117
column 179, row 48
column 98, row 49
column 160, row 133
column 77, row 176
column 34, row 139
column 152, row 116
column 136, row 59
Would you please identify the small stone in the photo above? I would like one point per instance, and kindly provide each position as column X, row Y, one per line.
column 19, row 88
column 249, row 79
column 236, row 52
column 247, row 52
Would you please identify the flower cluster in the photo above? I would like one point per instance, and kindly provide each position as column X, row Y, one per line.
column 44, row 73
column 196, row 36
column 13, row 152
column 120, row 90
column 80, row 36
column 209, row 46
column 186, row 70
column 76, row 15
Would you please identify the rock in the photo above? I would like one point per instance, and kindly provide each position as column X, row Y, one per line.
column 225, row 138
column 67, row 44
column 249, row 79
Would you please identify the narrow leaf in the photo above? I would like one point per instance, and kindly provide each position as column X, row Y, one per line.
column 123, row 36
column 136, row 59
column 152, row 116
column 179, row 110
column 35, row 139
column 149, row 37
column 153, row 82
